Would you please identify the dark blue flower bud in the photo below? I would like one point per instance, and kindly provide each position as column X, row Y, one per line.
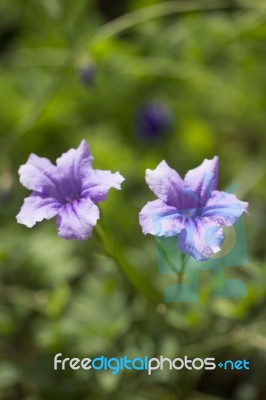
column 87, row 74
column 153, row 120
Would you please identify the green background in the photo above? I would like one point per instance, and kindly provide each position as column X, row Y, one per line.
column 206, row 62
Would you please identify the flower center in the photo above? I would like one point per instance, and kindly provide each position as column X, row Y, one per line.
column 191, row 213
column 71, row 198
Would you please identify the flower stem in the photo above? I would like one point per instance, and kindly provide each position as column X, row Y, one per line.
column 155, row 11
column 137, row 281
column 182, row 268
column 180, row 275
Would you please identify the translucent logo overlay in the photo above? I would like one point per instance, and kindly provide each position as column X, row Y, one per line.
column 146, row 363
column 233, row 253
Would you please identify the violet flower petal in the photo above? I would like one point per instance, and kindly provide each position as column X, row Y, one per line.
column 75, row 162
column 38, row 174
column 98, row 182
column 225, row 208
column 72, row 167
column 160, row 219
column 76, row 220
column 166, row 184
column 36, row 208
column 202, row 180
column 201, row 238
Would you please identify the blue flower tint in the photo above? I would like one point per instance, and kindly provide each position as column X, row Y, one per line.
column 153, row 120
column 67, row 190
column 87, row 74
column 192, row 209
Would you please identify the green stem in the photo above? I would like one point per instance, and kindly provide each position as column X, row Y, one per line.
column 180, row 275
column 158, row 10
column 182, row 268
column 137, row 281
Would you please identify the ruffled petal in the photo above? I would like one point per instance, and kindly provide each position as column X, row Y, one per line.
column 201, row 181
column 38, row 174
column 166, row 184
column 160, row 219
column 72, row 167
column 77, row 219
column 36, row 208
column 200, row 238
column 98, row 183
column 225, row 208
column 75, row 162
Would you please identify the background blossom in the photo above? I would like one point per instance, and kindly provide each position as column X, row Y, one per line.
column 153, row 121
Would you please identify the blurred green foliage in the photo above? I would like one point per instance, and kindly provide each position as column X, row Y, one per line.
column 206, row 62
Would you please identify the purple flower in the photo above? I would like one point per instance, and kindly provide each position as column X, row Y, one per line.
column 152, row 120
column 68, row 190
column 191, row 209
column 87, row 74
